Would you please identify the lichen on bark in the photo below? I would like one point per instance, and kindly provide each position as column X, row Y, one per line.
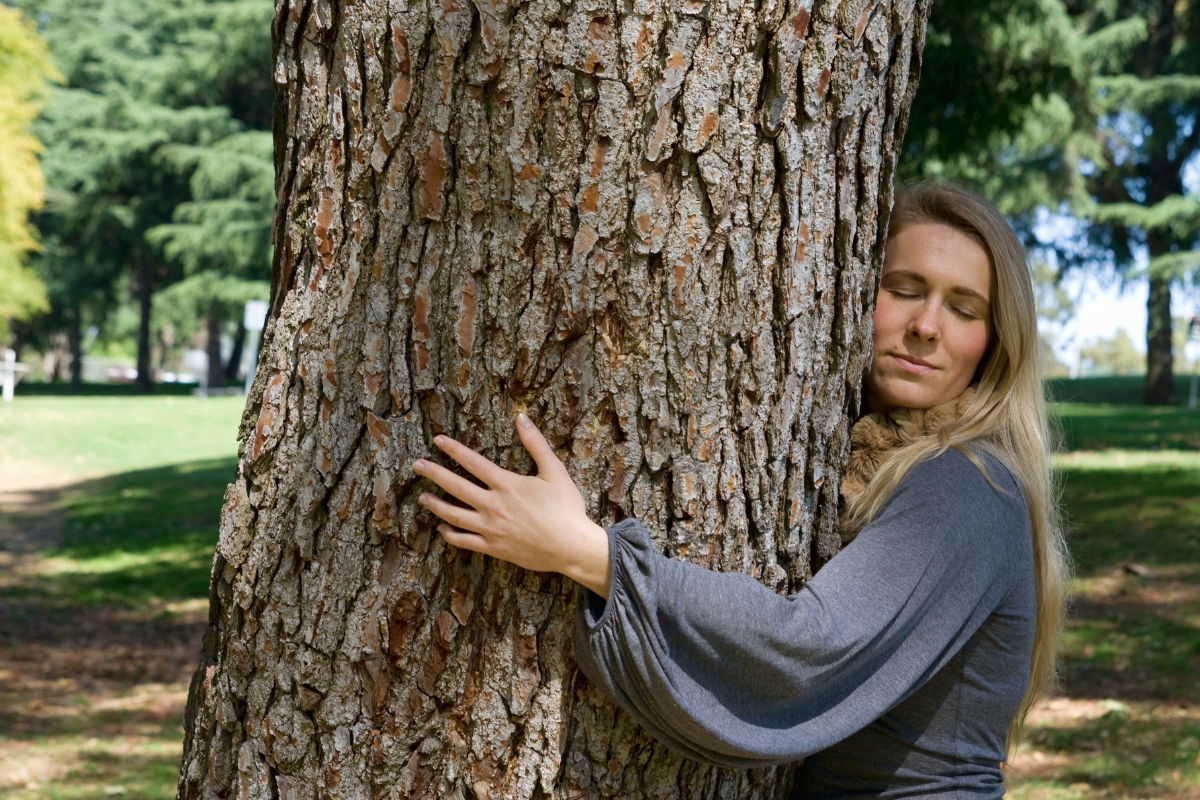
column 655, row 227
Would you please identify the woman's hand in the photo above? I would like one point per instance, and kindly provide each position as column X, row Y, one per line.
column 538, row 522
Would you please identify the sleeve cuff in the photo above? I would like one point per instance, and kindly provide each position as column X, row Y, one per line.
column 625, row 539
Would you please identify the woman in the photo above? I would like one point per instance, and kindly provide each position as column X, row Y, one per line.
column 905, row 667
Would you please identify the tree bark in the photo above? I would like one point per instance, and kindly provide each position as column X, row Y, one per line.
column 145, row 372
column 655, row 227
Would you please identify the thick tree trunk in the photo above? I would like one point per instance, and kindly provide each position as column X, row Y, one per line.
column 655, row 227
column 216, row 368
column 145, row 372
column 1160, row 374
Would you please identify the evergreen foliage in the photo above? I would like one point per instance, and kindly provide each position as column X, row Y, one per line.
column 25, row 67
column 158, row 151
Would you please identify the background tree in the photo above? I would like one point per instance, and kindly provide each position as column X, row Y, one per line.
column 1147, row 134
column 152, row 85
column 24, row 69
column 656, row 227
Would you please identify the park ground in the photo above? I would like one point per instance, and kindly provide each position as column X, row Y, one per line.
column 108, row 517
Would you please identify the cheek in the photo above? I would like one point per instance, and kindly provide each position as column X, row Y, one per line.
column 886, row 319
column 974, row 343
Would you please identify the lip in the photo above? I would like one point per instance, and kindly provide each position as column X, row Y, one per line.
column 913, row 365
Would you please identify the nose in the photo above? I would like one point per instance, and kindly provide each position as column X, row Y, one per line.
column 926, row 324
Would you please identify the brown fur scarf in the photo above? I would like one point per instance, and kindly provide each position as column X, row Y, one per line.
column 876, row 436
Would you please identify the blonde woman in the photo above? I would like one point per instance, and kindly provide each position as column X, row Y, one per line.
column 905, row 667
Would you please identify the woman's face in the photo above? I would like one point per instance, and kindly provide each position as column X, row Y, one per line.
column 933, row 318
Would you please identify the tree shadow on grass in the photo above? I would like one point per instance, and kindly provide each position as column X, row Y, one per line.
column 135, row 538
column 1148, row 513
column 1126, row 752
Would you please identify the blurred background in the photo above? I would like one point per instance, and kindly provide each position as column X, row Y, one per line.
column 136, row 196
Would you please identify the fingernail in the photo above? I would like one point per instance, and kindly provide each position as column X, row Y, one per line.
column 524, row 421
column 418, row 465
column 423, row 499
column 439, row 440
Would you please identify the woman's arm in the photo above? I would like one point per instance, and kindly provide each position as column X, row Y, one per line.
column 718, row 666
column 537, row 521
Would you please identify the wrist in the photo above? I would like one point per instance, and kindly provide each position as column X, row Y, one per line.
column 589, row 563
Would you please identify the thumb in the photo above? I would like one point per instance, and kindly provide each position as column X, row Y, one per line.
column 543, row 454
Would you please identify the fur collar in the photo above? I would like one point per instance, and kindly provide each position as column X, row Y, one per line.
column 876, row 436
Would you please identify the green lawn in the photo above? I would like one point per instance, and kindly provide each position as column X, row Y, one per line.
column 99, row 633
column 106, row 435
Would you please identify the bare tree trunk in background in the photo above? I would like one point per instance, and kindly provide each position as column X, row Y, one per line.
column 75, row 346
column 216, row 368
column 235, row 355
column 145, row 372
column 1160, row 373
column 657, row 228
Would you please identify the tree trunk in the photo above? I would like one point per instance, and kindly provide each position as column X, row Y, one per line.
column 1160, row 375
column 75, row 344
column 216, row 368
column 145, row 372
column 655, row 227
column 233, row 365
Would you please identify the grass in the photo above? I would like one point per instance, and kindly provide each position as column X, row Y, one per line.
column 88, row 436
column 1128, row 721
column 98, row 631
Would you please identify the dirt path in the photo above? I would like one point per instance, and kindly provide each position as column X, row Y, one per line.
column 91, row 699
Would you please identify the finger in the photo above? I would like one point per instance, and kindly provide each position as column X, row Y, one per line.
column 460, row 487
column 471, row 461
column 543, row 454
column 459, row 517
column 463, row 539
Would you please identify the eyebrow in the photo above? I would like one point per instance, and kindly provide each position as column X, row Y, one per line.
column 954, row 289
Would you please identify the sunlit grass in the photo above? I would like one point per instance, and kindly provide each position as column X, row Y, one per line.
column 76, row 436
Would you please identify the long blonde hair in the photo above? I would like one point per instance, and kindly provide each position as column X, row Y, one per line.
column 1006, row 417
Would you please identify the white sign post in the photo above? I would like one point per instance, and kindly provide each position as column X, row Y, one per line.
column 10, row 372
column 254, row 320
column 1191, row 350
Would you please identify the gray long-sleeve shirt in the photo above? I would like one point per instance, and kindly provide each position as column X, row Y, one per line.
column 894, row 673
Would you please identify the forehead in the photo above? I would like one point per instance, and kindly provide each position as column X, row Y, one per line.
column 940, row 255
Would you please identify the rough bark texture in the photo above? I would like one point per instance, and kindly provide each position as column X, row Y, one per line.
column 654, row 226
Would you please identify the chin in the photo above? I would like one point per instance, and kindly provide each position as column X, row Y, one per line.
column 908, row 395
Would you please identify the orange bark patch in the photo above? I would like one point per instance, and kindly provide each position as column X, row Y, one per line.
column 323, row 237
column 600, row 28
column 707, row 127
column 801, row 243
column 676, row 60
column 589, row 200
column 863, row 19
column 266, row 417
column 421, row 331
column 823, row 82
column 382, row 515
column 378, row 429
column 800, row 23
column 529, row 172
column 643, row 41
column 433, row 179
